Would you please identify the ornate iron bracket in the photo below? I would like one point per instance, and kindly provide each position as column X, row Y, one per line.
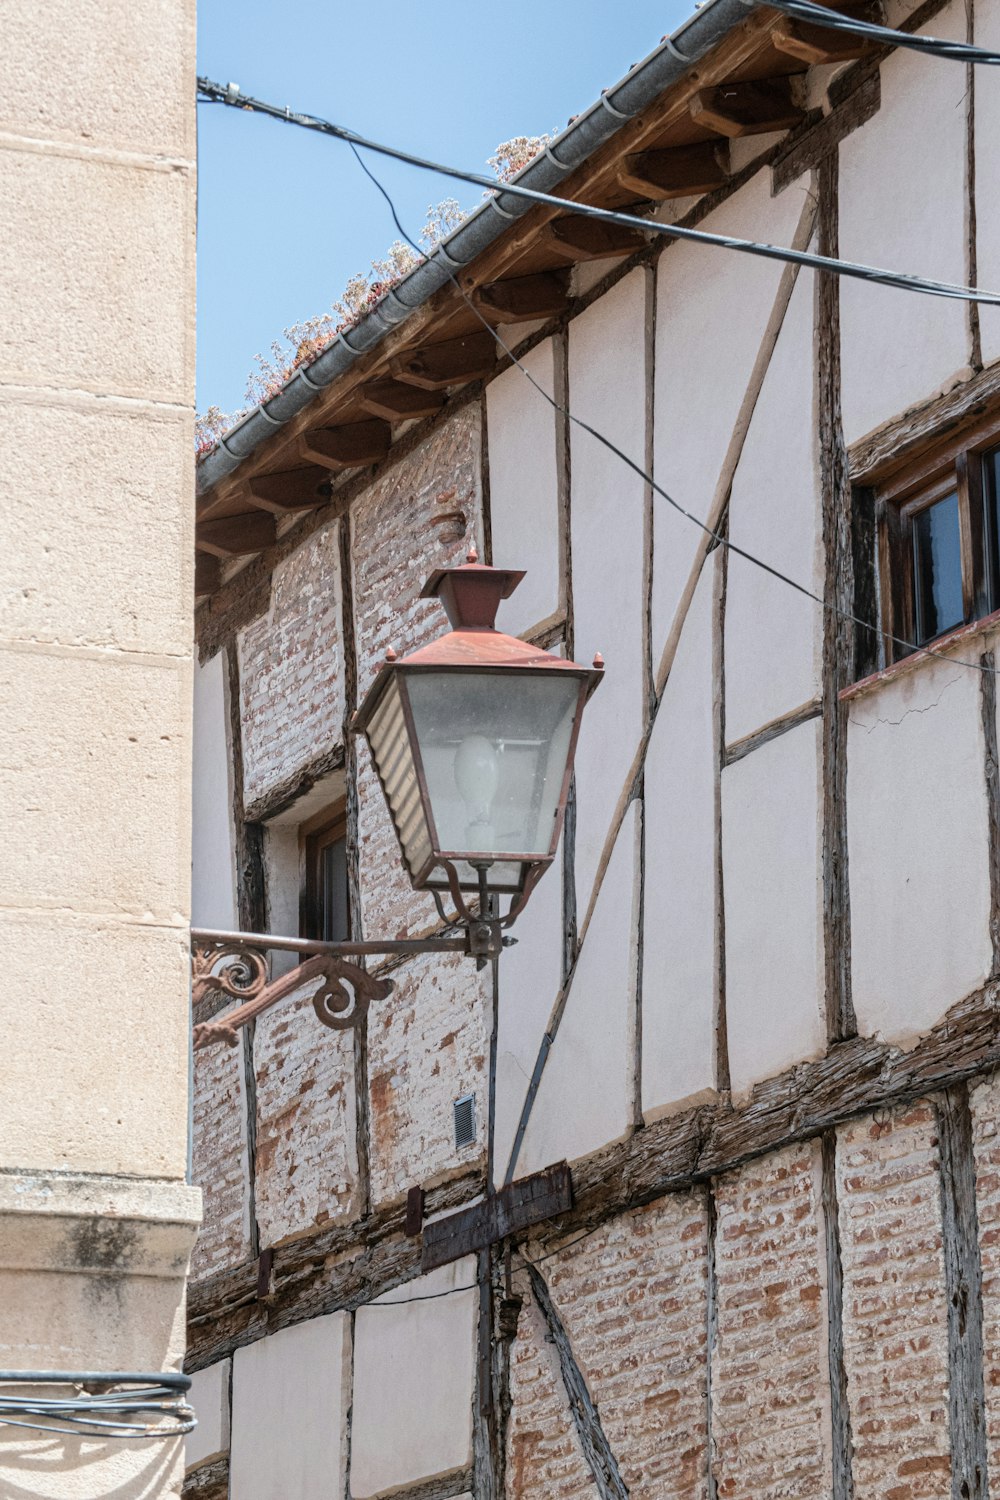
column 241, row 971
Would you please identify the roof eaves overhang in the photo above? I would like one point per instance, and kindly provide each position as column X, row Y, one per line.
column 569, row 151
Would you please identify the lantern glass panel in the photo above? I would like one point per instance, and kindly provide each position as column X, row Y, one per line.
column 393, row 755
column 493, row 747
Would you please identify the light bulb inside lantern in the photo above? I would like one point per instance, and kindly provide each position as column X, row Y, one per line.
column 477, row 776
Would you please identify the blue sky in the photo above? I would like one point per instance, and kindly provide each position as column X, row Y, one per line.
column 285, row 217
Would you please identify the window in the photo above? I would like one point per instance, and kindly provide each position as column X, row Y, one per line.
column 931, row 546
column 324, row 907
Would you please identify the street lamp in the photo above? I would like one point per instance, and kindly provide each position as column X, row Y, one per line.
column 473, row 739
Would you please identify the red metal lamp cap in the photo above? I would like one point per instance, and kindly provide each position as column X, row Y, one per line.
column 471, row 594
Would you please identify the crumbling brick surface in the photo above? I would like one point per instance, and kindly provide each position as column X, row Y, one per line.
column 307, row 1167
column 770, row 1384
column 985, row 1106
column 428, row 1044
column 895, row 1318
column 220, row 1165
column 292, row 668
column 422, row 515
column 544, row 1458
column 632, row 1299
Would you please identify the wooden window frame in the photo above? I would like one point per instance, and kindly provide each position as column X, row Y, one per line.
column 955, row 464
column 316, row 835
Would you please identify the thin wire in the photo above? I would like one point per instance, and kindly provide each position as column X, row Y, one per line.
column 719, row 538
column 214, row 93
column 832, row 20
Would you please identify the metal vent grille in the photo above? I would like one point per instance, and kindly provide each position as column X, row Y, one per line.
column 465, row 1121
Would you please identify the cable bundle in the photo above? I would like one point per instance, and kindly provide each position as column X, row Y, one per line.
column 103, row 1412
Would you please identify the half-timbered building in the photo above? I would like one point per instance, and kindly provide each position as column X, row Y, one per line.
column 754, row 1006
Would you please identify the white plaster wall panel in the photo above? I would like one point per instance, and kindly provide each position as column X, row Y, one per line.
column 306, row 1165
column 428, row 1044
column 213, row 854
column 209, row 1395
column 524, row 501
column 678, row 974
column 79, row 484
column 772, row 883
column 414, row 1380
column 289, row 1430
column 607, row 382
column 292, row 668
column 131, row 250
column 117, row 836
column 584, row 1100
column 987, row 34
column 220, row 1163
column 712, row 309
column 902, row 206
column 774, row 636
column 530, row 975
column 917, row 839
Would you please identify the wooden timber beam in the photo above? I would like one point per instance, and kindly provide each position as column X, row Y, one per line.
column 397, row 402
column 207, row 573
column 579, row 238
column 349, row 447
column 455, row 362
column 736, row 109
column 678, row 172
column 291, row 490
column 816, row 44
column 522, row 299
column 236, row 536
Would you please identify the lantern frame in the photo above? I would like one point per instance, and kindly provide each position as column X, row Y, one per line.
column 471, row 595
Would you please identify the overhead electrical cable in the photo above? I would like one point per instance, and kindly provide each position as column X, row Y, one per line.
column 832, row 20
column 217, row 93
column 719, row 538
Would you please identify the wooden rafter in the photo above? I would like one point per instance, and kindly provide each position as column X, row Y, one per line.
column 676, row 172
column 578, row 238
column 524, row 298
column 736, row 109
column 454, row 362
column 236, row 536
column 816, row 44
column 348, row 447
column 291, row 490
column 397, row 402
column 207, row 573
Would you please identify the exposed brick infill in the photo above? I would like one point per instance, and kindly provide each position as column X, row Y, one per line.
column 770, row 1392
column 633, row 1300
column 985, row 1106
column 220, row 1160
column 544, row 1457
column 895, row 1317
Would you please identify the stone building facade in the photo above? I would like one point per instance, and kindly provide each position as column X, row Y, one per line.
column 97, row 1217
column 755, row 1006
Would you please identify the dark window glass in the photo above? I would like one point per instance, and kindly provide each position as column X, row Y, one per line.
column 333, row 891
column 991, row 495
column 937, row 569
column 325, row 909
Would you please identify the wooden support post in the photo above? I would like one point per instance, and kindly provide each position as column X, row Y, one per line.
column 680, row 172
column 735, row 109
column 349, row 447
